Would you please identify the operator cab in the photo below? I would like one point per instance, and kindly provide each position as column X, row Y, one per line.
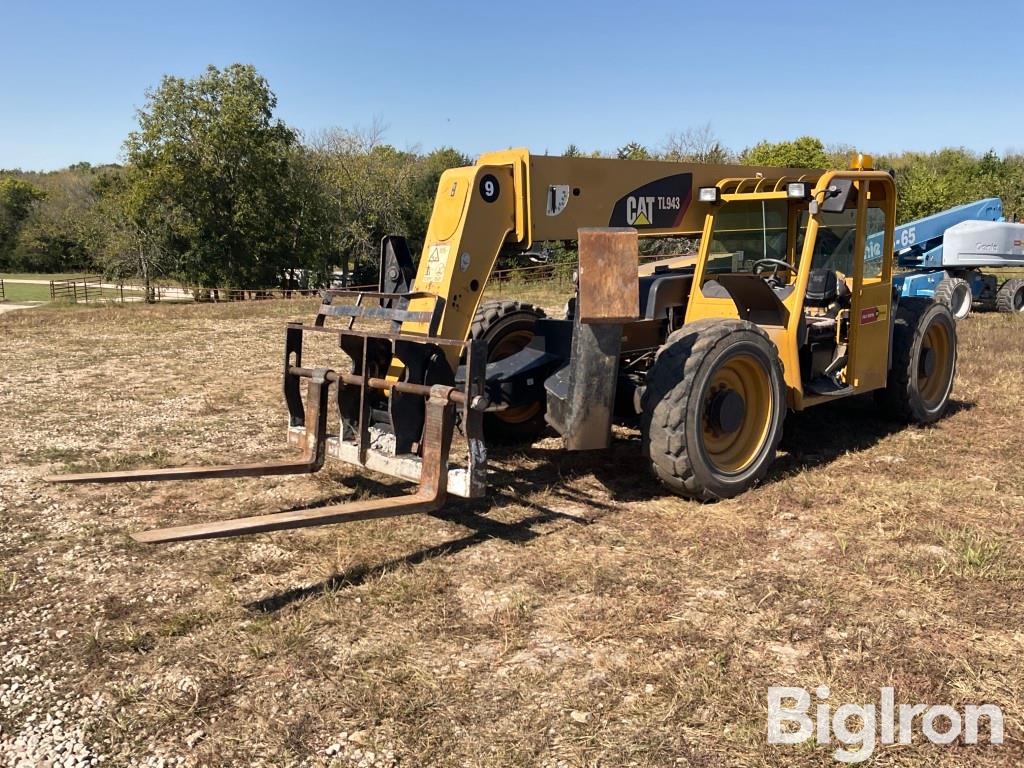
column 755, row 253
column 755, row 249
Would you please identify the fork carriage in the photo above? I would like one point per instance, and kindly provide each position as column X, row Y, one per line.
column 390, row 414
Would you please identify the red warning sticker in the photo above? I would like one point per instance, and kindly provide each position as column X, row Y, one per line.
column 868, row 315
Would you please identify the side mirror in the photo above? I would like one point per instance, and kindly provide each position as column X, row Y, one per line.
column 837, row 195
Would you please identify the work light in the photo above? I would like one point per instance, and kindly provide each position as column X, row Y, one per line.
column 798, row 190
column 709, row 195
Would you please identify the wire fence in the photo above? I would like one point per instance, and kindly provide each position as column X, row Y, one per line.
column 93, row 288
column 245, row 294
column 558, row 275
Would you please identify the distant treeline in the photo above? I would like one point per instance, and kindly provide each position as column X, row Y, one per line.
column 216, row 191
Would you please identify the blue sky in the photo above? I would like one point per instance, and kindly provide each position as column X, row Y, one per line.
column 882, row 76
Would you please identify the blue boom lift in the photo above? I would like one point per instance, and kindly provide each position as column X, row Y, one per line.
column 946, row 252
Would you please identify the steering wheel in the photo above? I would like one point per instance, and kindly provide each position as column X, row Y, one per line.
column 776, row 264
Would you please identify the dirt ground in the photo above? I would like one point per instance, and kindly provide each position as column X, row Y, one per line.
column 579, row 617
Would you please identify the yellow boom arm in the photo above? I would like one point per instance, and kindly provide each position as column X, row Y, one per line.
column 511, row 199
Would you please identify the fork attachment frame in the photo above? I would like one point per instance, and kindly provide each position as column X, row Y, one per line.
column 430, row 495
column 422, row 442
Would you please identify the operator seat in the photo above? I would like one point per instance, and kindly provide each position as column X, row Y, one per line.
column 826, row 290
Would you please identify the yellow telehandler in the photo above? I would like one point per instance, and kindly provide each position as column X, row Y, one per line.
column 785, row 306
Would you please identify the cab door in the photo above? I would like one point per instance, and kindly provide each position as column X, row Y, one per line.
column 871, row 306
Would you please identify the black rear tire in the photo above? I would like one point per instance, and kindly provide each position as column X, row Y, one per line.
column 955, row 293
column 924, row 352
column 508, row 326
column 1010, row 297
column 702, row 441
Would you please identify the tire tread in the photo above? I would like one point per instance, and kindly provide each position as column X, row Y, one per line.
column 490, row 312
column 896, row 399
column 1004, row 297
column 670, row 383
column 945, row 291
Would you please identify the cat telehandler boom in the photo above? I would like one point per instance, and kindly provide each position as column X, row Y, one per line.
column 784, row 307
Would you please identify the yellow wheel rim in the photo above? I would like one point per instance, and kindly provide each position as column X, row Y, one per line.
column 508, row 346
column 735, row 450
column 934, row 365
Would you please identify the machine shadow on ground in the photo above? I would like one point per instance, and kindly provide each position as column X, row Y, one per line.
column 558, row 479
column 483, row 529
column 819, row 436
column 812, row 438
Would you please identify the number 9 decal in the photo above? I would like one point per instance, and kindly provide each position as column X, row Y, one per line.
column 489, row 189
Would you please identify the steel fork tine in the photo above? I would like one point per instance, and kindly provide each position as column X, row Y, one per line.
column 311, row 460
column 430, row 496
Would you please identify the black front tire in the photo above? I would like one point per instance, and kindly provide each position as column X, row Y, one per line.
column 690, row 452
column 924, row 354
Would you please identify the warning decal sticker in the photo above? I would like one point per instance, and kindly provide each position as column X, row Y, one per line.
column 437, row 262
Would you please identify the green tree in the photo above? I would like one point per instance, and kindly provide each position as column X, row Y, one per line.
column 633, row 151
column 17, row 200
column 376, row 190
column 211, row 177
column 1012, row 187
column 919, row 190
column 55, row 237
column 840, row 155
column 135, row 237
column 931, row 182
column 805, row 152
column 369, row 184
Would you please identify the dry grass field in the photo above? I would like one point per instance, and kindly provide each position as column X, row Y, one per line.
column 579, row 617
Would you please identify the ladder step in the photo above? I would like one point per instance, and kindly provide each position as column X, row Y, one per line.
column 827, row 387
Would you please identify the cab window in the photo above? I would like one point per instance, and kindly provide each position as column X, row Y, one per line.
column 746, row 231
column 837, row 233
column 873, row 243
